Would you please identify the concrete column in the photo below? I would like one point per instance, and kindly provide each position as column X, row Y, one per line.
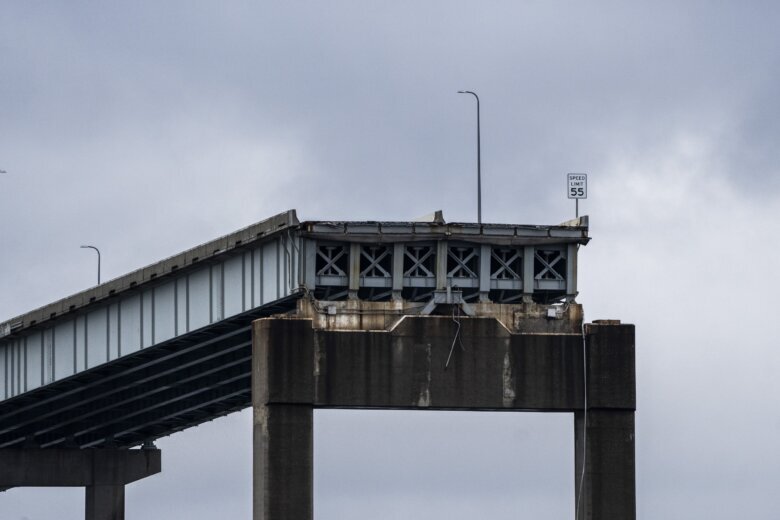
column 283, row 470
column 607, row 490
column 608, row 487
column 283, row 417
column 105, row 502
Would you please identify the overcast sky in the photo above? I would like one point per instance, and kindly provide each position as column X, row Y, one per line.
column 150, row 127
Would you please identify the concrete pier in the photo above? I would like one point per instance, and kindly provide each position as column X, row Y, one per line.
column 103, row 472
column 302, row 363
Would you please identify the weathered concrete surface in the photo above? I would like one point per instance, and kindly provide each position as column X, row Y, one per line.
column 283, row 475
column 611, row 366
column 405, row 367
column 297, row 368
column 283, row 430
column 105, row 502
column 76, row 467
column 609, row 483
column 103, row 472
column 608, row 487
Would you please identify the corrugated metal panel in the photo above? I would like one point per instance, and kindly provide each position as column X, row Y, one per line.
column 199, row 299
column 182, row 292
column 46, row 340
column 3, row 374
column 81, row 344
column 16, row 368
column 233, row 286
column 257, row 277
column 246, row 273
column 147, row 325
column 64, row 349
column 130, row 324
column 113, row 331
column 34, row 363
column 217, row 294
column 269, row 269
column 164, row 316
column 97, row 334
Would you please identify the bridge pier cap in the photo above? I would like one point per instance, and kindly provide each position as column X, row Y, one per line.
column 390, row 355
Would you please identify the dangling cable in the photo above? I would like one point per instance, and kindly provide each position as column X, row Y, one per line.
column 457, row 336
column 584, row 418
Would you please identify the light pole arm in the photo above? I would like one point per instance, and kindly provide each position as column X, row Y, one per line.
column 98, row 255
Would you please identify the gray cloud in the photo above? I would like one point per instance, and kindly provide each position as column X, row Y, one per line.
column 150, row 128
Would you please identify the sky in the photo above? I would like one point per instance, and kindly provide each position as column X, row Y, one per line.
column 146, row 128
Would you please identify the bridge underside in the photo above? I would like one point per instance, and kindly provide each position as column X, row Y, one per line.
column 141, row 397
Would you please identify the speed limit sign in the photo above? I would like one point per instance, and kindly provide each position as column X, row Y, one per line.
column 578, row 185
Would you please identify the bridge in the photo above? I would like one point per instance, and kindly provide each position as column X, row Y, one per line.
column 170, row 345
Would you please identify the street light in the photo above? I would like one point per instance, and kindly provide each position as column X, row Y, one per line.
column 98, row 253
column 479, row 160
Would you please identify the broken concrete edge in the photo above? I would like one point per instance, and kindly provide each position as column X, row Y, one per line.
column 517, row 318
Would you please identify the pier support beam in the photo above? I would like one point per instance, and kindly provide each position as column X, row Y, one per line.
column 104, row 472
column 297, row 368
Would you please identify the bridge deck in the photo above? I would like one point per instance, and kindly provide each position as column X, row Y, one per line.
column 168, row 346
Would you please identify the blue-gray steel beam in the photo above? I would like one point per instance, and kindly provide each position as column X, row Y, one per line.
column 398, row 270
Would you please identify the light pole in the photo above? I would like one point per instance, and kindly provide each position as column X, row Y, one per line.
column 479, row 160
column 98, row 253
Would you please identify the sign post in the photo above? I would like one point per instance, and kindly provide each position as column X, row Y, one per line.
column 577, row 189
